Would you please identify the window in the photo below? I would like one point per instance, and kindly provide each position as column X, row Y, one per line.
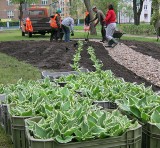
column 10, row 14
column 44, row 2
column 145, row 7
column 146, row 16
column 9, row 2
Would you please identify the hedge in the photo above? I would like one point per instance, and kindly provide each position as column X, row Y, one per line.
column 142, row 29
column 12, row 23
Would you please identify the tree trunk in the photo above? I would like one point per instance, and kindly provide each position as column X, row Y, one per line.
column 137, row 11
column 88, row 6
column 21, row 12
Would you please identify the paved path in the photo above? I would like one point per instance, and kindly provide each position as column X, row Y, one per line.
column 143, row 65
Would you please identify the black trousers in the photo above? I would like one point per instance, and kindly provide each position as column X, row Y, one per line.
column 55, row 33
column 61, row 34
column 103, row 32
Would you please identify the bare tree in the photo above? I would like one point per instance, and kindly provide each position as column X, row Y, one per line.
column 137, row 9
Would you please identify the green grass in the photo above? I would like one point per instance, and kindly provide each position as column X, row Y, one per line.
column 140, row 38
column 15, row 35
column 5, row 141
column 11, row 70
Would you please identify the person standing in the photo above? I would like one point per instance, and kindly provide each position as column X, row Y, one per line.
column 110, row 21
column 99, row 17
column 67, row 27
column 87, row 18
column 55, row 23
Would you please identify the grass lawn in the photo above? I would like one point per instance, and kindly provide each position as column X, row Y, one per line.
column 5, row 141
column 11, row 70
column 15, row 35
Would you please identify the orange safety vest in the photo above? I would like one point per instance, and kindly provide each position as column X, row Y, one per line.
column 53, row 22
column 86, row 13
column 29, row 27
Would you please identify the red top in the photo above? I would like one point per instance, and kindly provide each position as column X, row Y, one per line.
column 110, row 17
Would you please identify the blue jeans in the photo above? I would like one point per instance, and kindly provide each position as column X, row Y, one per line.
column 66, row 31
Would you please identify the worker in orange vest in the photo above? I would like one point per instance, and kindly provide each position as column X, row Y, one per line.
column 29, row 27
column 55, row 23
column 87, row 21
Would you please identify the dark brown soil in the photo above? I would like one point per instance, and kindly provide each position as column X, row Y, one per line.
column 46, row 55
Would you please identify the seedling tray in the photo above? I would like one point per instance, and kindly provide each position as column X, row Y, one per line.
column 130, row 139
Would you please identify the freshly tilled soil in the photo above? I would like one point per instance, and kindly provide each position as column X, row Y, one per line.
column 57, row 56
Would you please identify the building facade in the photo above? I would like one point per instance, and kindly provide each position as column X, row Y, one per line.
column 146, row 11
column 10, row 11
column 65, row 7
column 126, row 16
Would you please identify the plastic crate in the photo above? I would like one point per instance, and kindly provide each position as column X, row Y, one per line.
column 2, row 98
column 6, row 122
column 18, row 130
column 55, row 75
column 130, row 139
column 106, row 105
column 150, row 133
column 0, row 114
column 150, row 136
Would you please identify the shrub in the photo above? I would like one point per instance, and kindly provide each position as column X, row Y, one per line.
column 142, row 29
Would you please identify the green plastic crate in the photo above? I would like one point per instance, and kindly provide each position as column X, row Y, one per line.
column 55, row 75
column 2, row 98
column 18, row 130
column 150, row 136
column 150, row 133
column 6, row 123
column 110, row 106
column 0, row 114
column 130, row 139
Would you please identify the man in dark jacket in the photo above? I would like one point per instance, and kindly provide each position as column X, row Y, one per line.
column 99, row 17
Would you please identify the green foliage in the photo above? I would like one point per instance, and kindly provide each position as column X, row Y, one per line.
column 22, row 1
column 142, row 29
column 76, row 9
column 3, row 24
column 156, row 11
column 97, row 63
column 155, row 17
column 90, row 123
column 102, row 5
column 77, row 57
column 145, row 108
column 12, row 23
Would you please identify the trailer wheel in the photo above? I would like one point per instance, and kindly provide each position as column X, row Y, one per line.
column 23, row 33
column 30, row 34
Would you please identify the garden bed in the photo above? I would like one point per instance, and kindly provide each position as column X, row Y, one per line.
column 54, row 56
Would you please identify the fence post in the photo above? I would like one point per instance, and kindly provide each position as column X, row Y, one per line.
column 7, row 24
